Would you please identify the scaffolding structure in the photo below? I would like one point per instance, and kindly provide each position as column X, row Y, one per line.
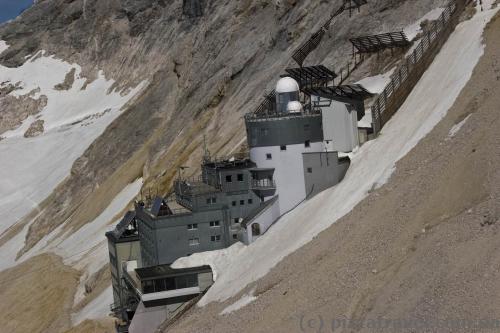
column 312, row 43
column 312, row 76
column 377, row 43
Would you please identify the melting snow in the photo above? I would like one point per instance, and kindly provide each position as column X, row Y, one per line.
column 455, row 129
column 242, row 302
column 413, row 30
column 32, row 167
column 98, row 308
column 376, row 84
column 372, row 164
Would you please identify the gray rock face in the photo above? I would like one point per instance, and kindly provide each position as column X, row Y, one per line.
column 35, row 129
column 204, row 74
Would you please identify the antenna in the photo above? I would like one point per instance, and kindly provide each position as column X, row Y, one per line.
column 206, row 152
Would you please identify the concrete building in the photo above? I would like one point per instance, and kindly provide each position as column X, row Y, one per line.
column 205, row 215
column 298, row 145
column 162, row 292
column 294, row 142
column 123, row 246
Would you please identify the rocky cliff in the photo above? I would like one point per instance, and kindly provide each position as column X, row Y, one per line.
column 202, row 75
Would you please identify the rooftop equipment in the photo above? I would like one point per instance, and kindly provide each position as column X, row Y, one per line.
column 287, row 90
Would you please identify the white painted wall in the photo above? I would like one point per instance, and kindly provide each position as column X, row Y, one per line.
column 289, row 170
column 340, row 126
column 265, row 219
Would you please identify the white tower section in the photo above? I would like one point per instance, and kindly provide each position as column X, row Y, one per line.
column 340, row 126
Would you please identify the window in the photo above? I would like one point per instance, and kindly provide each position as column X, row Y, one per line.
column 307, row 127
column 215, row 223
column 193, row 226
column 211, row 201
column 242, row 202
column 215, row 238
column 234, row 203
column 250, row 201
column 235, row 236
column 240, row 177
column 309, row 170
column 194, row 241
column 264, row 131
column 236, row 220
column 229, row 179
column 269, row 156
column 283, row 148
column 307, row 144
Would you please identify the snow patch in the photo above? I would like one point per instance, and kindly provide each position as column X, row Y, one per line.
column 96, row 308
column 372, row 164
column 3, row 46
column 242, row 302
column 376, row 84
column 456, row 128
column 218, row 260
column 414, row 29
column 31, row 168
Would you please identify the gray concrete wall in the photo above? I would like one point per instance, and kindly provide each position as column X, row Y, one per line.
column 322, row 170
column 172, row 237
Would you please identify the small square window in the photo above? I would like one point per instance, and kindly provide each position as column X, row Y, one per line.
column 283, row 148
column 229, row 178
column 211, row 201
column 215, row 238
column 236, row 220
column 309, row 170
column 307, row 144
column 234, row 203
column 250, row 201
column 235, row 236
column 240, row 177
column 242, row 202
column 269, row 156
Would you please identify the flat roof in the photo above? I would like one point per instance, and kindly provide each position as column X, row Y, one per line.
column 154, row 272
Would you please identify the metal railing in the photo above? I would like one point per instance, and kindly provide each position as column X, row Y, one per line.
column 262, row 184
column 410, row 71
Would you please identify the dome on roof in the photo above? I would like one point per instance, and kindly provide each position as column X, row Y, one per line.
column 294, row 107
column 287, row 84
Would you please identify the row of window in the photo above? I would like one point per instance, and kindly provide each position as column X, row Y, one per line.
column 307, row 144
column 194, row 226
column 196, row 241
column 239, row 177
column 242, row 202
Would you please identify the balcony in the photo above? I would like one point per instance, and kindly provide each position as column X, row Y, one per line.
column 262, row 184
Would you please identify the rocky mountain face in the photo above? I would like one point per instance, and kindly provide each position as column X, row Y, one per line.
column 203, row 74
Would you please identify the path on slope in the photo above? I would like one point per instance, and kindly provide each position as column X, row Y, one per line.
column 425, row 245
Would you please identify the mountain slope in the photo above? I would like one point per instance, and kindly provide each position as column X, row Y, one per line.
column 176, row 79
column 424, row 246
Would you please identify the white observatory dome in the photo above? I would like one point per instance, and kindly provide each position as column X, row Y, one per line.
column 286, row 85
column 294, row 107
